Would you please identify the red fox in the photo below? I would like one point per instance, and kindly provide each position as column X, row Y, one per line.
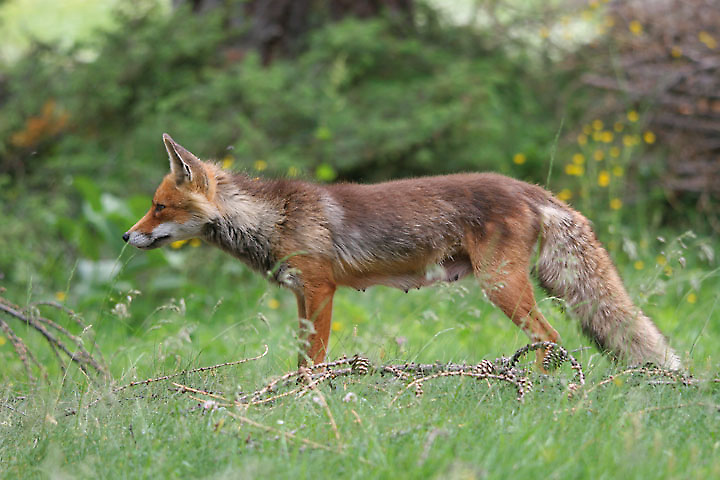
column 407, row 234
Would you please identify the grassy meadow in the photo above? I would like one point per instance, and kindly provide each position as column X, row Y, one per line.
column 631, row 427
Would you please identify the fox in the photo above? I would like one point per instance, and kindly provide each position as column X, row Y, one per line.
column 313, row 238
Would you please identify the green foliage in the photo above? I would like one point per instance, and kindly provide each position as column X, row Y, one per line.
column 367, row 98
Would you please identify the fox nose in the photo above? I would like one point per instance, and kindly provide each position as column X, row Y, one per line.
column 126, row 236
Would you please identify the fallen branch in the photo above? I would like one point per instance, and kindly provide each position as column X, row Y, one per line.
column 502, row 369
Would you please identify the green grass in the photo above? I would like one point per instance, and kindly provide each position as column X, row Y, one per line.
column 459, row 428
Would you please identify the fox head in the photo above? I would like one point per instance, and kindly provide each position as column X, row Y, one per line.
column 181, row 205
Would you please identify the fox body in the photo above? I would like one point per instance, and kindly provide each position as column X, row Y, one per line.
column 406, row 234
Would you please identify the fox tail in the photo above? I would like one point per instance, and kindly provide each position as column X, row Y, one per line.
column 573, row 266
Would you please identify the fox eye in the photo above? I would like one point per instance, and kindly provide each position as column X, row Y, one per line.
column 159, row 206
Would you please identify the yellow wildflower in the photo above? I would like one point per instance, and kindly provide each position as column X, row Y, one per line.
column 519, row 158
column 629, row 140
column 618, row 127
column 597, row 136
column 60, row 296
column 639, row 265
column 649, row 137
column 633, row 116
column 707, row 39
column 273, row 304
column 636, row 27
column 603, row 178
column 597, row 124
column 661, row 260
column 260, row 165
column 578, row 159
column 228, row 161
column 564, row 195
column 177, row 244
column 606, row 137
column 2, row 341
column 598, row 155
column 616, row 204
column 692, row 298
column 618, row 171
column 582, row 139
column 337, row 326
column 574, row 170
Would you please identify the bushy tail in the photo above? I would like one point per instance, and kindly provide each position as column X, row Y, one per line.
column 574, row 266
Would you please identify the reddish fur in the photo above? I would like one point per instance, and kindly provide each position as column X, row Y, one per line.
column 315, row 306
column 175, row 201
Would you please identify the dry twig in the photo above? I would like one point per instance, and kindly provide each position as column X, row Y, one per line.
column 63, row 345
column 173, row 375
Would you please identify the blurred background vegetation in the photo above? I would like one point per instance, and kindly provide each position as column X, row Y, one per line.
column 614, row 107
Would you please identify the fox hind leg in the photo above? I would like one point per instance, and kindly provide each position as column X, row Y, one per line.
column 504, row 276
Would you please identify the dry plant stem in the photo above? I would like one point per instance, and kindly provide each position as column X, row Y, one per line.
column 76, row 340
column 186, row 372
column 19, row 347
column 315, row 380
column 173, row 375
column 269, row 387
column 25, row 355
column 82, row 358
column 184, row 388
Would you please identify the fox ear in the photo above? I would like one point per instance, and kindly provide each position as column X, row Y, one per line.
column 184, row 165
